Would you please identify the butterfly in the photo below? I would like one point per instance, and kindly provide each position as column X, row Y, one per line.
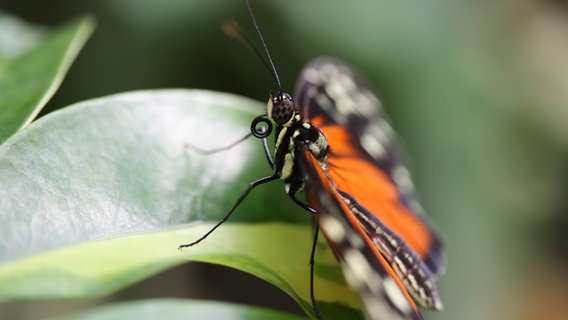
column 334, row 140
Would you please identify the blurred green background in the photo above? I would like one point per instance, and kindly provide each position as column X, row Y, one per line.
column 478, row 91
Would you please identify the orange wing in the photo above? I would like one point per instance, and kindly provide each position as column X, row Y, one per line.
column 373, row 189
column 365, row 160
column 366, row 270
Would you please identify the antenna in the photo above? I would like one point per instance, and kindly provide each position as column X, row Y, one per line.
column 272, row 68
column 233, row 30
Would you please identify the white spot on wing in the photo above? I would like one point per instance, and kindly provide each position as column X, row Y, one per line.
column 371, row 104
column 400, row 267
column 328, row 70
column 333, row 229
column 379, row 309
column 312, row 75
column 401, row 177
column 359, row 266
column 377, row 137
column 356, row 241
column 312, row 91
column 372, row 146
column 395, row 294
column 382, row 130
column 346, row 105
column 346, row 81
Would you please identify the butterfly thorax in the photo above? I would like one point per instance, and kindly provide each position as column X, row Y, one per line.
column 293, row 135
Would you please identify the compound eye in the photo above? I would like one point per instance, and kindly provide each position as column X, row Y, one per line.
column 282, row 108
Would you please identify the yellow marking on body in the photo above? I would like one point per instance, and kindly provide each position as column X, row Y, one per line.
column 280, row 137
column 288, row 166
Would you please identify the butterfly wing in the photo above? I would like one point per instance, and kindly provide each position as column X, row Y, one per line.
column 367, row 179
column 365, row 160
column 383, row 295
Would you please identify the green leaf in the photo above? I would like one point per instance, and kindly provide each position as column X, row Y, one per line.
column 126, row 163
column 179, row 309
column 98, row 192
column 275, row 252
column 33, row 63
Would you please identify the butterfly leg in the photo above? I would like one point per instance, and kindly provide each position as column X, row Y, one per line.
column 251, row 186
column 312, row 266
column 292, row 188
column 218, row 149
column 267, row 152
column 303, row 204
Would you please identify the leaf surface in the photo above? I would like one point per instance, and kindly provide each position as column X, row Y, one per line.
column 33, row 62
column 99, row 195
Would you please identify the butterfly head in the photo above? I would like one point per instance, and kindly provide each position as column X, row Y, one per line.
column 281, row 109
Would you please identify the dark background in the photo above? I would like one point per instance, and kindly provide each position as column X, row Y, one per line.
column 478, row 90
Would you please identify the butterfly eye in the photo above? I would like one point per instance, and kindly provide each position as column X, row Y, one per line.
column 281, row 108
